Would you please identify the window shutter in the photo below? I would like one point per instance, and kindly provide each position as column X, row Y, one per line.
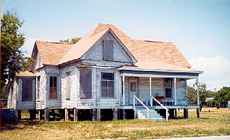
column 108, row 50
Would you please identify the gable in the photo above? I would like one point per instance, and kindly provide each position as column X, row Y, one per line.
column 37, row 62
column 49, row 53
column 119, row 53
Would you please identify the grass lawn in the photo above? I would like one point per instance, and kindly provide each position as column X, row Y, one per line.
column 215, row 122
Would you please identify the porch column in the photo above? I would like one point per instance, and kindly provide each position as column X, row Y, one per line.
column 198, row 94
column 123, row 89
column 150, row 91
column 174, row 90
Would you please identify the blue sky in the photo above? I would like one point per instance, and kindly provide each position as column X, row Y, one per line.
column 200, row 29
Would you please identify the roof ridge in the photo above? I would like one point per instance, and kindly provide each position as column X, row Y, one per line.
column 53, row 43
column 154, row 41
column 83, row 42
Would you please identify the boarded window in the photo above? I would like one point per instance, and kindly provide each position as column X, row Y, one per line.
column 108, row 50
column 53, row 87
column 85, row 83
column 68, row 86
column 27, row 89
column 107, row 85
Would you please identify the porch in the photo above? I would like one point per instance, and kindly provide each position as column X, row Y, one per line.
column 148, row 91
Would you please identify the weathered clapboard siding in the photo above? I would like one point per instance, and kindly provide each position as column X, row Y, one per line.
column 72, row 73
column 96, row 100
column 95, row 52
column 41, row 100
column 52, row 103
column 108, row 102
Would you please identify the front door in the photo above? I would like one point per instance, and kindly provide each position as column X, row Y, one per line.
column 132, row 90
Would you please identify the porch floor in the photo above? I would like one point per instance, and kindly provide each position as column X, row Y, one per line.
column 159, row 107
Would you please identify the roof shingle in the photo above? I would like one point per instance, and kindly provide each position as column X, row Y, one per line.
column 51, row 52
column 149, row 54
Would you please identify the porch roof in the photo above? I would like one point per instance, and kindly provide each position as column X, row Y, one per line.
column 140, row 72
column 25, row 74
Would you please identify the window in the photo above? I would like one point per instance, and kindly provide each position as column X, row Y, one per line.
column 107, row 50
column 85, row 83
column 107, row 85
column 53, row 87
column 27, row 89
column 168, row 92
column 168, row 87
column 133, row 87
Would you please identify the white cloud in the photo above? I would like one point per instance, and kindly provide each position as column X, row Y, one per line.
column 216, row 70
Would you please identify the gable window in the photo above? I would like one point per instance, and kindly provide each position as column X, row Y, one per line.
column 85, row 83
column 168, row 87
column 107, row 85
column 27, row 89
column 107, row 50
column 53, row 87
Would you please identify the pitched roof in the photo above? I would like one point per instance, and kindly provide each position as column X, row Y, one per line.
column 81, row 47
column 51, row 52
column 149, row 54
column 158, row 55
column 88, row 40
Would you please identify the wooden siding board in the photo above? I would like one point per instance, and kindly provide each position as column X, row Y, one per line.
column 96, row 52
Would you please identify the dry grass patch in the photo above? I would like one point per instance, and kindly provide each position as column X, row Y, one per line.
column 214, row 122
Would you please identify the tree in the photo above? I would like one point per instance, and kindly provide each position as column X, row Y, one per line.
column 192, row 94
column 12, row 58
column 71, row 41
column 222, row 97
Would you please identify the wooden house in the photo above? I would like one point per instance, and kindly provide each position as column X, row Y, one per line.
column 106, row 75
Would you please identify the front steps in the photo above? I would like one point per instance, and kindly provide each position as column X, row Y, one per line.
column 151, row 114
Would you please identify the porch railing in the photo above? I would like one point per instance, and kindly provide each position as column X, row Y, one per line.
column 162, row 106
column 134, row 102
column 135, row 98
